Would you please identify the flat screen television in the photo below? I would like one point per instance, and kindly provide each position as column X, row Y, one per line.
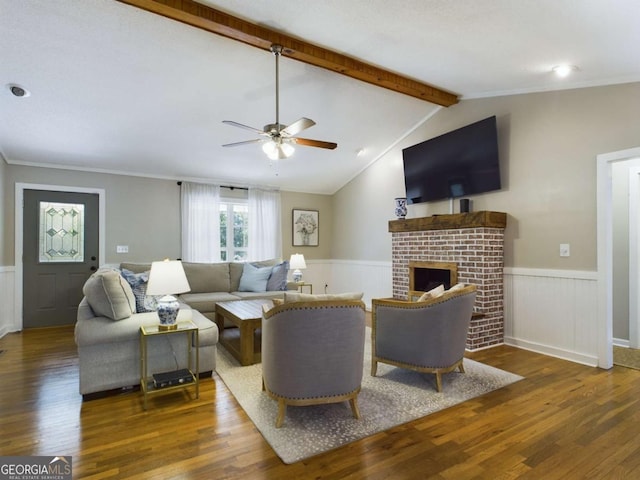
column 459, row 163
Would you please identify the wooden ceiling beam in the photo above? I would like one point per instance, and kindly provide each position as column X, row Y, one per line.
column 215, row 21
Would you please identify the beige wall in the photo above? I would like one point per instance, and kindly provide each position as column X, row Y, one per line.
column 141, row 213
column 144, row 213
column 548, row 148
column 321, row 203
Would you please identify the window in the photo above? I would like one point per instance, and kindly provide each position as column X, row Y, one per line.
column 234, row 230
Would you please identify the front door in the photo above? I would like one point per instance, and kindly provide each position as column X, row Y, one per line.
column 60, row 252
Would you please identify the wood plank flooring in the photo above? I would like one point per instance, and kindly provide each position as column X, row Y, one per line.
column 564, row 421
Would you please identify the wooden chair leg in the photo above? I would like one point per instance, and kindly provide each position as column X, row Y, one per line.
column 461, row 367
column 282, row 411
column 438, row 381
column 354, row 407
column 374, row 367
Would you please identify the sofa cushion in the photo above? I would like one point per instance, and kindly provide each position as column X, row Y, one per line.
column 109, row 295
column 278, row 278
column 307, row 297
column 206, row 302
column 260, row 295
column 208, row 277
column 254, row 279
column 139, row 282
column 135, row 267
column 98, row 330
column 235, row 273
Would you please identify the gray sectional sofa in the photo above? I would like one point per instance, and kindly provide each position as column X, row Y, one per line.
column 108, row 323
column 217, row 282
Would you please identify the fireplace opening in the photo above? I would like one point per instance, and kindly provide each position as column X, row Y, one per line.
column 424, row 276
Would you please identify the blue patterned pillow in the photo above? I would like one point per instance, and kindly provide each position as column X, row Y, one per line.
column 138, row 282
column 278, row 278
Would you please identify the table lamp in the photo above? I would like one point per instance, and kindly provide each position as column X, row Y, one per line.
column 296, row 263
column 167, row 278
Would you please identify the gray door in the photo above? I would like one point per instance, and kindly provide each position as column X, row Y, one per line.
column 60, row 252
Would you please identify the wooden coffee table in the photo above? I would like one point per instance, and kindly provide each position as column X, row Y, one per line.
column 247, row 316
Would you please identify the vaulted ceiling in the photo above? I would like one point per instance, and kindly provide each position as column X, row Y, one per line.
column 117, row 88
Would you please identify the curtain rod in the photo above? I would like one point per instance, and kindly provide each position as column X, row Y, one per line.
column 227, row 186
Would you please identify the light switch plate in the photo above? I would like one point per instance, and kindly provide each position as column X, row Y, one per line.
column 565, row 250
column 122, row 248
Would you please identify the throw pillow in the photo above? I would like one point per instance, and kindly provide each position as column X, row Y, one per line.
column 307, row 297
column 138, row 282
column 433, row 293
column 278, row 278
column 109, row 295
column 254, row 279
column 457, row 286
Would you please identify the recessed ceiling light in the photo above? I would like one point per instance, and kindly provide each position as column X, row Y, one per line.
column 564, row 70
column 18, row 91
column 360, row 152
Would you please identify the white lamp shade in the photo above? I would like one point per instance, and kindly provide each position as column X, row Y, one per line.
column 167, row 278
column 296, row 262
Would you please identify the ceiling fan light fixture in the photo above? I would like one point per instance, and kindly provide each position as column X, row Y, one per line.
column 287, row 149
column 277, row 151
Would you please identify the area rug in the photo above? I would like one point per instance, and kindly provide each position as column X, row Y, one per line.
column 395, row 396
column 626, row 357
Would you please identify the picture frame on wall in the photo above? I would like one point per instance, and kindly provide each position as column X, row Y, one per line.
column 306, row 228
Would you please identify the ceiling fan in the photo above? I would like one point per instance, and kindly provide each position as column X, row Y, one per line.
column 278, row 139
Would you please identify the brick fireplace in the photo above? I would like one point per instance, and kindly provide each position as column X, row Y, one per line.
column 474, row 243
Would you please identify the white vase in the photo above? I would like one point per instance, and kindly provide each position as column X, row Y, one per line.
column 401, row 207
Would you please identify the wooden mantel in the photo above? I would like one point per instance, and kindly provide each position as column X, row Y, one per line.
column 452, row 221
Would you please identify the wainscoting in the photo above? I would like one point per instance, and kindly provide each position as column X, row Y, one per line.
column 552, row 312
column 372, row 278
column 546, row 311
column 7, row 300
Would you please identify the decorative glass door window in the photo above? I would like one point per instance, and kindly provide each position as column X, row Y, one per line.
column 61, row 232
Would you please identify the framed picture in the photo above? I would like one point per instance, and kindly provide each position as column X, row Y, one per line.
column 306, row 228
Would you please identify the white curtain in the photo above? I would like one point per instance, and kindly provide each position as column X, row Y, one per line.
column 265, row 229
column 200, row 222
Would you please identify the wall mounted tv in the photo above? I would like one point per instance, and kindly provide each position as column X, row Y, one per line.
column 459, row 163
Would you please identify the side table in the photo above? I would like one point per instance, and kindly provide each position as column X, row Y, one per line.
column 190, row 331
column 301, row 286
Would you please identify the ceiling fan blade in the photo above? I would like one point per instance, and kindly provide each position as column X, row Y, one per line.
column 298, row 126
column 246, row 142
column 307, row 142
column 246, row 127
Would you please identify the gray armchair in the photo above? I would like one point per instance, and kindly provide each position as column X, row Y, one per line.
column 427, row 336
column 313, row 352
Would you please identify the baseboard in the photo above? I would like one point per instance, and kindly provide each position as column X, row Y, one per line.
column 619, row 342
column 589, row 360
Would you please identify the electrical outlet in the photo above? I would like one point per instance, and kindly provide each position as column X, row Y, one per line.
column 122, row 248
column 565, row 250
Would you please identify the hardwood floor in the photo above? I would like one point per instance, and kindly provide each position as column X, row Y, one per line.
column 562, row 421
